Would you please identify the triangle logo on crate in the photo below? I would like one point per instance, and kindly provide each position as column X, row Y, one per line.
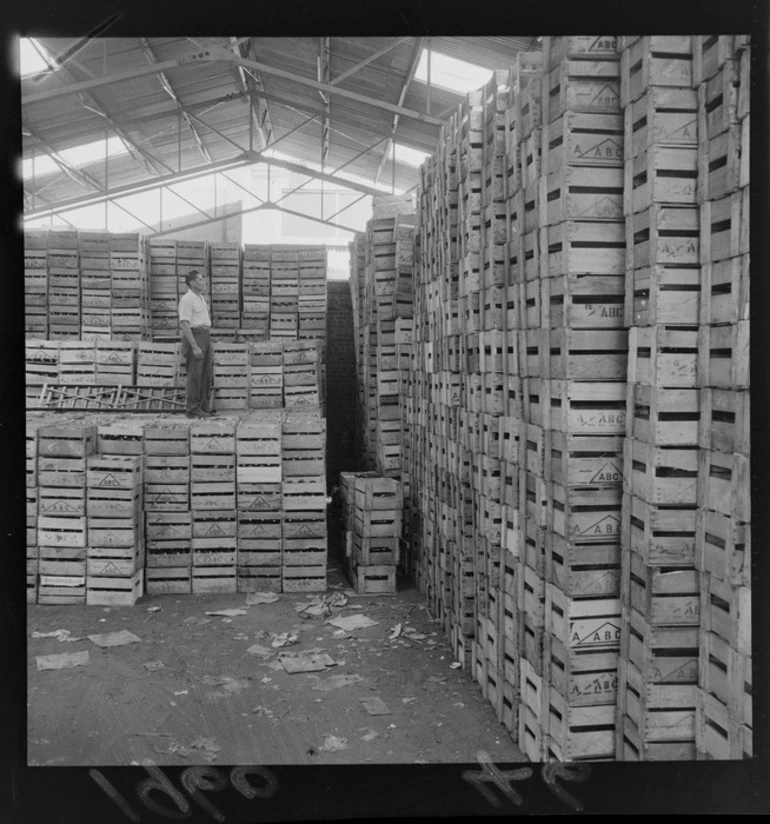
column 108, row 539
column 109, row 480
column 608, row 474
column 110, row 569
column 604, row 684
column 305, row 529
column 60, row 506
column 688, row 129
column 606, row 633
column 213, row 446
column 258, row 529
column 603, row 43
column 608, row 525
column 608, row 149
column 604, row 207
column 606, row 96
column 215, row 529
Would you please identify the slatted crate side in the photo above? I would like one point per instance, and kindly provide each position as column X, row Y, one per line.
column 661, row 475
column 659, row 60
column 583, row 247
column 662, row 116
column 62, row 561
column 69, row 532
column 584, row 513
column 580, row 85
column 661, row 175
column 632, row 746
column 168, row 580
column 114, row 562
column 582, row 570
column 664, row 235
column 586, row 623
column 719, row 162
column 581, row 733
column 661, row 535
column 585, row 354
column 726, row 611
column 665, row 654
column 723, row 547
column 723, row 356
column 212, row 438
column 664, row 595
column 303, row 578
column 664, row 294
column 718, row 736
column 663, row 416
column 583, row 139
column 61, row 589
column 661, row 712
column 557, row 49
column 581, row 677
column 211, row 579
column 725, row 484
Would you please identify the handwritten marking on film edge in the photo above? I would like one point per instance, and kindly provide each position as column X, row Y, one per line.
column 550, row 773
column 195, row 780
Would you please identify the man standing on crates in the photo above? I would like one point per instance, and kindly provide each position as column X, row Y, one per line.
column 195, row 322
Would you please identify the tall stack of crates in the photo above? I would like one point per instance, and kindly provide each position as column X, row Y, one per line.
column 575, row 349
column 723, row 716
column 659, row 581
column 231, row 375
column 168, row 517
column 96, row 285
column 62, row 533
column 130, row 307
column 225, row 269
column 284, row 291
column 260, row 515
column 36, row 284
column 213, row 505
column 115, row 551
column 64, row 285
column 372, row 510
column 41, row 366
column 166, row 285
column 255, row 308
column 311, row 305
column 303, row 493
column 303, row 373
column 266, row 374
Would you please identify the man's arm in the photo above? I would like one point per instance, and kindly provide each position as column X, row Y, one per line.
column 187, row 332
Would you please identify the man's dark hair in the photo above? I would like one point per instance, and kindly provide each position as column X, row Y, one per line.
column 190, row 276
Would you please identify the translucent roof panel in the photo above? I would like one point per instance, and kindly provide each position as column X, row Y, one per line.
column 412, row 157
column 450, row 73
column 76, row 156
column 33, row 57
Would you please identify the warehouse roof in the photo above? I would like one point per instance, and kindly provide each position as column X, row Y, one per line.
column 180, row 104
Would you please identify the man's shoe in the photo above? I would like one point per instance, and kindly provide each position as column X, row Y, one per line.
column 208, row 414
column 197, row 415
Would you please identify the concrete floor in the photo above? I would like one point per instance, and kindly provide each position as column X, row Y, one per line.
column 211, row 701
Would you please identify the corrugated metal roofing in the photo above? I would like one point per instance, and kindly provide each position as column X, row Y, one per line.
column 213, row 94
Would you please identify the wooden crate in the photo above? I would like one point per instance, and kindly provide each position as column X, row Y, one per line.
column 725, row 291
column 661, row 175
column 259, row 552
column 304, row 578
column 212, row 438
column 662, row 535
column 726, row 674
column 167, row 436
column 662, row 116
column 61, row 589
column 112, row 471
column 582, row 732
column 66, row 440
column 581, row 677
column 583, row 513
column 667, row 655
column 158, row 364
column 723, row 547
column 664, row 417
column 665, row 596
column 59, row 501
column 259, row 579
column 726, row 611
column 582, row 569
column 585, row 354
column 61, row 472
column 663, row 235
column 579, row 85
column 65, row 532
column 725, row 484
column 632, row 746
column 580, row 301
column 585, row 407
column 663, row 294
column 584, row 139
column 297, row 524
column 719, row 160
column 710, row 53
column 121, row 438
column 718, row 736
column 723, row 355
column 658, row 60
column 115, row 532
column 377, row 579
column 114, row 562
column 61, row 560
column 583, row 247
column 583, row 460
column 586, row 623
column 661, row 475
column 260, row 525
column 209, row 579
column 720, row 228
column 660, row 712
column 264, row 497
column 718, row 101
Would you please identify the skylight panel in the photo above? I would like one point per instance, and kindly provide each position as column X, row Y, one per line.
column 450, row 73
column 82, row 155
column 33, row 58
column 412, row 157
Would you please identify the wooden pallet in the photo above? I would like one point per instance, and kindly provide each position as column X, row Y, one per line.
column 115, row 398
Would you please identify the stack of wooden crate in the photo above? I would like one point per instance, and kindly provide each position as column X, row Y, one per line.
column 573, row 348
column 130, row 308
column 36, row 283
column 266, row 374
column 64, row 286
column 723, row 717
column 303, row 373
column 213, row 504
column 231, row 375
column 255, row 311
column 159, row 363
column 659, row 581
column 166, row 286
column 260, row 514
column 225, row 269
column 311, row 307
column 168, row 518
column 63, row 450
column 284, row 291
column 303, row 473
column 371, row 507
column 96, row 285
column 115, row 549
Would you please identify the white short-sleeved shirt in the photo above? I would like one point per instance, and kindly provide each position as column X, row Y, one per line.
column 193, row 308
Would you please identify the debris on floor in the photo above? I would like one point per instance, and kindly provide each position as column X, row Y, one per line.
column 153, row 609
column 370, row 736
column 351, row 622
column 321, row 606
column 374, row 705
column 456, row 665
column 395, row 633
column 64, row 660
column 333, row 682
column 228, row 613
column 209, row 748
column 258, row 649
column 153, row 666
column 256, row 598
column 227, row 683
column 59, row 634
column 306, row 661
column 114, row 639
column 284, row 639
column 333, row 744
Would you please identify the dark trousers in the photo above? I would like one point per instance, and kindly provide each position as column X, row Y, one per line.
column 199, row 372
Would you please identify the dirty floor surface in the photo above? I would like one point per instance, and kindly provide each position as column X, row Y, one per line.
column 190, row 691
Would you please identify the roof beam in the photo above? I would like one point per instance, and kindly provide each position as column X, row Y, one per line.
column 258, row 108
column 367, row 61
column 203, row 56
column 79, row 176
column 323, row 76
column 328, row 87
column 402, row 96
column 164, row 82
